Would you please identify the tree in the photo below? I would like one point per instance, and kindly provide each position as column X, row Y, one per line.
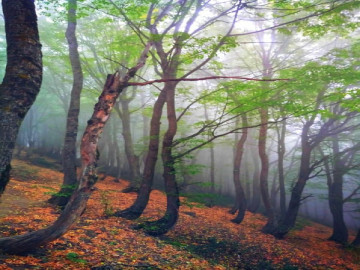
column 133, row 159
column 23, row 76
column 239, row 190
column 72, row 120
column 333, row 122
column 87, row 176
column 169, row 60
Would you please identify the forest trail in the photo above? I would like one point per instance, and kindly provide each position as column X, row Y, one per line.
column 204, row 238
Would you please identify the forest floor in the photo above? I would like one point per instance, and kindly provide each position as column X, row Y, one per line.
column 204, row 238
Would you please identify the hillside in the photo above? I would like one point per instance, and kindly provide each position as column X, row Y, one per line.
column 204, row 238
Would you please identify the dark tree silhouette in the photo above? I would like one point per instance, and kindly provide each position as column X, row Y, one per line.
column 23, row 76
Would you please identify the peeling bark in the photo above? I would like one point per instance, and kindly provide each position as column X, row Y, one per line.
column 87, row 176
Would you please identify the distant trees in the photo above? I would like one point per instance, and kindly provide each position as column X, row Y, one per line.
column 23, row 76
column 336, row 119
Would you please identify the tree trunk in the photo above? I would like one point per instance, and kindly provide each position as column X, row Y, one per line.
column 135, row 210
column 281, row 153
column 274, row 189
column 23, row 76
column 264, row 172
column 247, row 183
column 239, row 190
column 87, row 176
column 295, row 200
column 72, row 120
column 133, row 160
column 336, row 198
column 164, row 224
column 210, row 203
column 340, row 232
column 255, row 202
column 116, row 152
column 146, row 128
column 77, row 202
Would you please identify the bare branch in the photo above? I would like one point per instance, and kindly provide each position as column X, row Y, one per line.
column 206, row 78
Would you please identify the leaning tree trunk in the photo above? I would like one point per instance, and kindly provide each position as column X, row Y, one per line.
column 87, row 177
column 165, row 223
column 239, row 190
column 72, row 120
column 23, row 76
column 136, row 209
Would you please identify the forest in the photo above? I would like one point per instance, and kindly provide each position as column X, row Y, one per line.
column 180, row 134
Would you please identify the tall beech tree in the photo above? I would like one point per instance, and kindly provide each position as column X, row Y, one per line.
column 72, row 120
column 169, row 61
column 339, row 162
column 22, row 79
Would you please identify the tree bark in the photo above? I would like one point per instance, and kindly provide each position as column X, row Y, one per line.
column 256, row 199
column 23, row 76
column 77, row 203
column 133, row 160
column 264, row 172
column 304, row 172
column 146, row 128
column 164, row 224
column 281, row 153
column 210, row 203
column 72, row 120
column 136, row 209
column 239, row 190
column 336, row 199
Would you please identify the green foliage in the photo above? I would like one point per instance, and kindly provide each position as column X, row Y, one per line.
column 66, row 191
column 336, row 17
column 105, row 202
column 74, row 257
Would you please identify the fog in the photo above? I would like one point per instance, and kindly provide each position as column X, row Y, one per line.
column 215, row 118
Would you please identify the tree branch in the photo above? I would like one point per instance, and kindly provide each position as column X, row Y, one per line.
column 206, row 78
